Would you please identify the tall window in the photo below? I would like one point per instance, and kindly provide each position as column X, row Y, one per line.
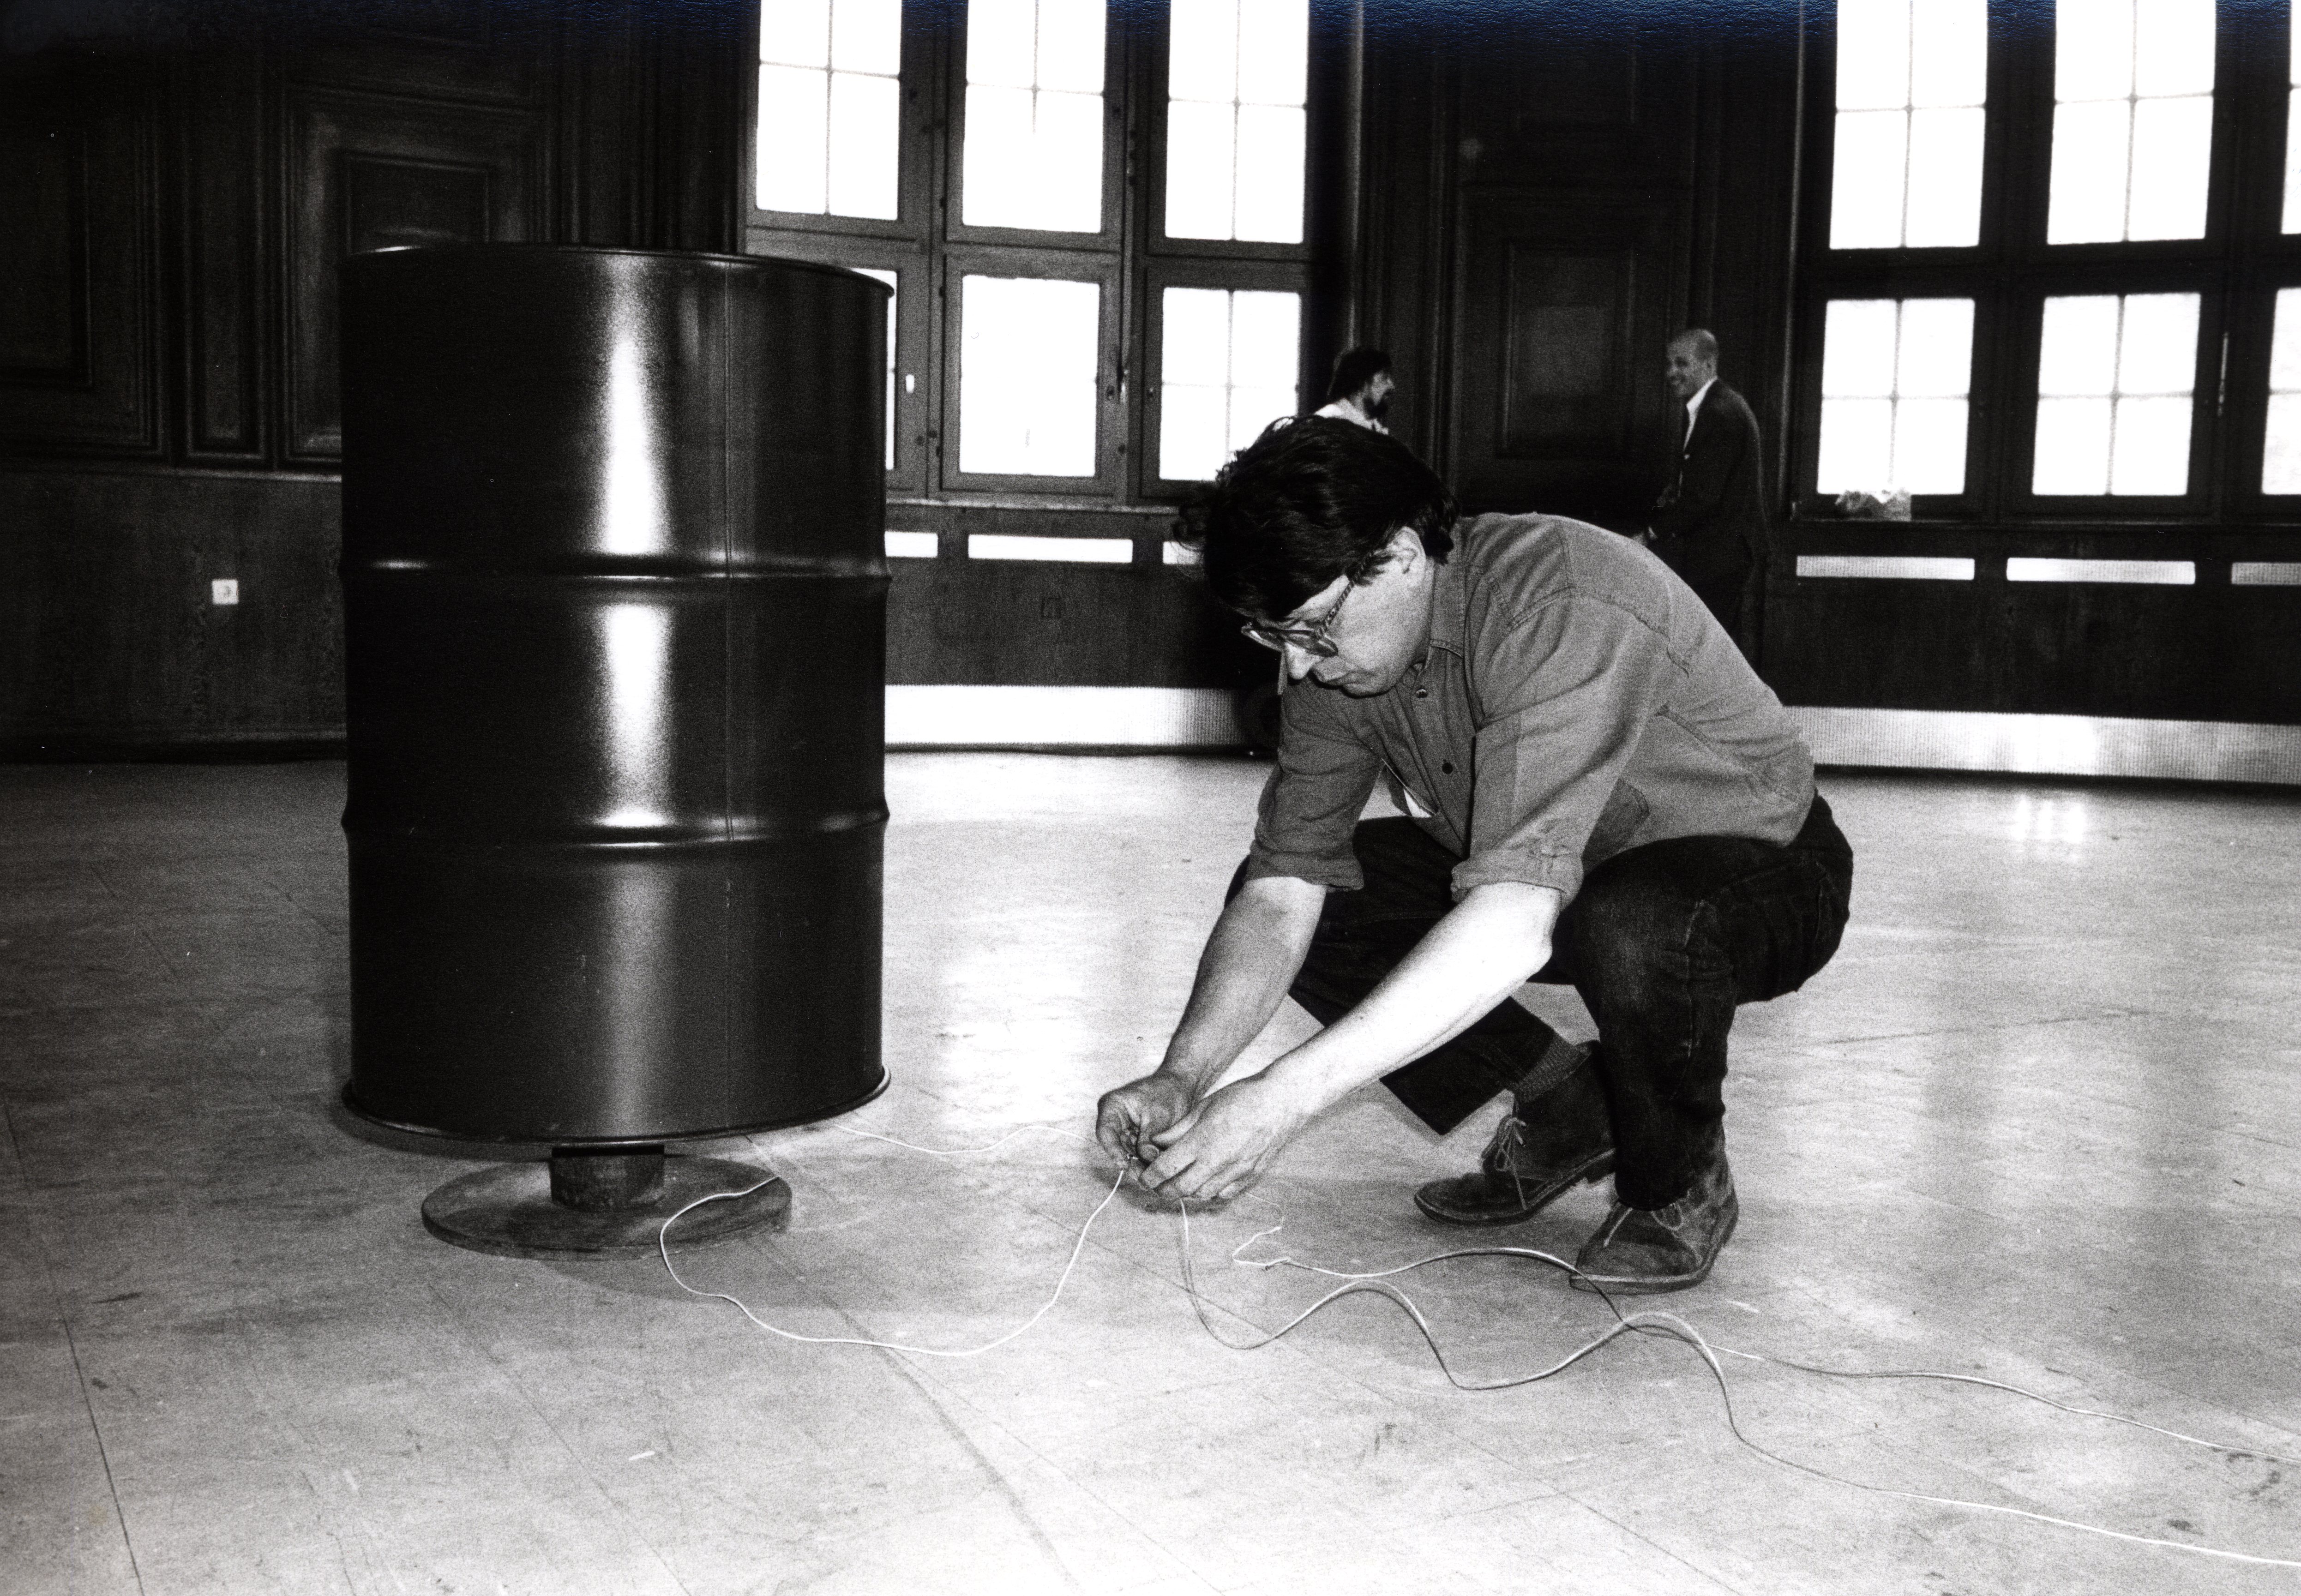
column 1912, row 86
column 2057, row 276
column 2281, row 454
column 2114, row 377
column 1033, row 141
column 2133, row 119
column 1236, row 84
column 1057, row 331
column 1228, row 367
column 1894, row 381
column 830, row 105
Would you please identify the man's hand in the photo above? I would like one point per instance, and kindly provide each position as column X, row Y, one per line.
column 1222, row 1148
column 1129, row 1117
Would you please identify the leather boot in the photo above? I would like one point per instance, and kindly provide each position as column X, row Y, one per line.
column 1663, row 1249
column 1539, row 1150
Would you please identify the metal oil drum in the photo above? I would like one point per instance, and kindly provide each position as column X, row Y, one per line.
column 615, row 597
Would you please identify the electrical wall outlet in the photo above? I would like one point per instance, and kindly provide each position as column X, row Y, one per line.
column 224, row 589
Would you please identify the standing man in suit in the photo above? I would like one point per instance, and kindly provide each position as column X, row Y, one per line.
column 1709, row 524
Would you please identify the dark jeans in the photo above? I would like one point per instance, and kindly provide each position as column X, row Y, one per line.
column 1663, row 942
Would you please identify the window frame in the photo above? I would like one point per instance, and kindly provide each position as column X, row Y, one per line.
column 1158, row 277
column 1156, row 34
column 912, row 189
column 2235, row 268
column 2021, row 441
column 1913, row 284
column 1116, row 109
column 930, row 250
column 992, row 260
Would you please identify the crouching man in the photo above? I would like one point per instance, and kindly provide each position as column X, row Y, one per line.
column 1602, row 793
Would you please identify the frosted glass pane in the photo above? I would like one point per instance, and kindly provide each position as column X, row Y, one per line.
column 2285, row 342
column 997, row 159
column 2281, row 460
column 1203, row 50
column 1857, row 444
column 1273, row 39
column 2158, row 354
column 1937, row 350
column 1070, row 46
column 1865, row 191
column 1930, row 446
column 1194, row 337
column 795, row 32
column 1027, row 376
column 1198, row 170
column 2153, row 446
column 866, row 116
column 2292, row 223
column 792, row 131
column 2073, row 447
column 1944, row 180
column 867, row 36
column 1873, row 55
column 2174, row 48
column 1251, row 409
column 1857, row 348
column 1949, row 53
column 1069, row 143
column 2077, row 350
column 1033, row 160
column 1270, row 174
column 2087, row 200
column 890, row 279
column 1265, row 341
column 1002, row 43
column 1193, row 431
column 2172, row 152
column 2092, row 49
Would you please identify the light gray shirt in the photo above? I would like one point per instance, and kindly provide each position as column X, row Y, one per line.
column 1576, row 700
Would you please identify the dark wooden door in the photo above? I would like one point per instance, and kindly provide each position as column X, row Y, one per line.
column 1564, row 303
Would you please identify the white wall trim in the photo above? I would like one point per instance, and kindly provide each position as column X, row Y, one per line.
column 1061, row 717
column 2055, row 745
column 2046, row 745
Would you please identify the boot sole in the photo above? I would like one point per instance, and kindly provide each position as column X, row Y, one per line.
column 1595, row 1169
column 1646, row 1285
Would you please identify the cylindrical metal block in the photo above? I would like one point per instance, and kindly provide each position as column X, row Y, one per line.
column 614, row 598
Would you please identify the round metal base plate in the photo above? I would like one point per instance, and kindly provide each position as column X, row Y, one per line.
column 507, row 1210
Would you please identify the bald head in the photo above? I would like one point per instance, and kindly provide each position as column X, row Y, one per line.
column 1692, row 361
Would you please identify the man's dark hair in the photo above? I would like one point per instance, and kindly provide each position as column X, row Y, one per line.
column 1308, row 501
column 1705, row 344
column 1353, row 370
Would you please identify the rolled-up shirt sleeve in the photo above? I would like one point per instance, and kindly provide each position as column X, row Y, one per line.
column 1311, row 803
column 1565, row 699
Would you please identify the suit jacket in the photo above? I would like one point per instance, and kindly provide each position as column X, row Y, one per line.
column 1710, row 524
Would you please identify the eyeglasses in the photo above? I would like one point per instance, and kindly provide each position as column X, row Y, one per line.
column 1310, row 640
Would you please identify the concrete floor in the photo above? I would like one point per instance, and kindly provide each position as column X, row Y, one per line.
column 2038, row 1123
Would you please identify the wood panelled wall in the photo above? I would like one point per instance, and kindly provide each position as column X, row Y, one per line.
column 1544, row 193
column 177, row 200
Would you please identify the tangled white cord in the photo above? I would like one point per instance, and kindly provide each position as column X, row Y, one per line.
column 1376, row 1282
column 663, row 1246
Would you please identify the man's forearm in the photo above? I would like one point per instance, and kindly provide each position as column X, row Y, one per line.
column 1251, row 959
column 1471, row 960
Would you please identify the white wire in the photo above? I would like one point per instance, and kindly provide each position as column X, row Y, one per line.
column 663, row 1246
column 1376, row 1282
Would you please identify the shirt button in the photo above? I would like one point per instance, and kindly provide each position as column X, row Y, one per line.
column 1422, row 692
column 1448, row 768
